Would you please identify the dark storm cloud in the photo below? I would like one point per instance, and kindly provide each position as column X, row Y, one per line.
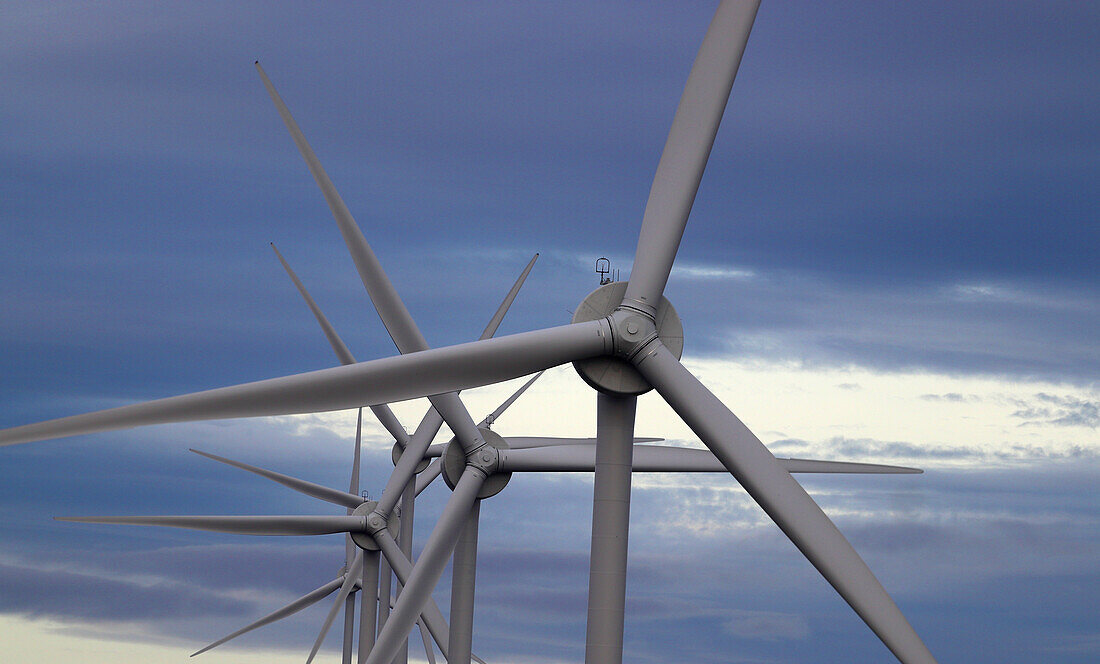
column 58, row 593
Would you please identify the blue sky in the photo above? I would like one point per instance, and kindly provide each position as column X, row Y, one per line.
column 891, row 258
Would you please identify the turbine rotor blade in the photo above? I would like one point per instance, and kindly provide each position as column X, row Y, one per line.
column 429, row 566
column 528, row 442
column 405, row 468
column 402, row 569
column 334, row 340
column 378, row 381
column 687, row 150
column 492, row 417
column 387, row 303
column 845, row 467
column 241, row 525
column 663, row 459
column 356, row 460
column 498, row 316
column 425, row 478
column 381, row 411
column 355, row 569
column 349, row 500
column 297, row 605
column 783, row 499
column 407, row 464
column 429, row 651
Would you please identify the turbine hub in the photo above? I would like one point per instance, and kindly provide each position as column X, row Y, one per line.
column 373, row 523
column 631, row 331
column 484, row 459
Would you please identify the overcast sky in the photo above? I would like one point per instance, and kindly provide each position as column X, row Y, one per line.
column 892, row 258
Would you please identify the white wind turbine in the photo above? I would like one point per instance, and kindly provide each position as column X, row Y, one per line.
column 625, row 340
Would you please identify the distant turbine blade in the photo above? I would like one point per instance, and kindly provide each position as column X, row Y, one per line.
column 409, row 461
column 528, row 442
column 297, row 605
column 353, row 487
column 452, row 407
column 334, row 340
column 687, row 150
column 845, row 467
column 662, row 459
column 429, row 566
column 492, row 417
column 355, row 570
column 381, row 411
column 241, row 525
column 351, row 501
column 494, row 322
column 402, row 569
column 428, row 476
column 429, row 651
column 378, row 381
column 391, row 309
column 784, row 500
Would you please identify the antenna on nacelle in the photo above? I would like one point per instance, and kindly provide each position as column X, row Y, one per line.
column 603, row 268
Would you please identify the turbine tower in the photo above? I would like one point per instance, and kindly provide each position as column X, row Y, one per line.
column 625, row 339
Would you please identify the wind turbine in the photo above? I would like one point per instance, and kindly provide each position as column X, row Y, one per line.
column 625, row 340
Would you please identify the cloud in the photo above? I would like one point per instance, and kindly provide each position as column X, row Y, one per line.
column 1067, row 411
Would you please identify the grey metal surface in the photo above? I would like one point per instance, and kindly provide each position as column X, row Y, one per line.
column 434, row 470
column 492, row 417
column 383, row 380
column 430, row 613
column 307, row 600
column 784, row 500
column 242, row 525
column 349, row 628
column 391, row 310
column 368, row 604
column 463, row 577
column 381, row 411
column 319, row 491
column 355, row 570
column 581, row 457
column 610, row 529
column 687, row 149
column 498, row 315
column 407, row 464
column 454, row 466
column 527, row 442
column 385, row 590
column 615, row 375
column 429, row 566
column 405, row 541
